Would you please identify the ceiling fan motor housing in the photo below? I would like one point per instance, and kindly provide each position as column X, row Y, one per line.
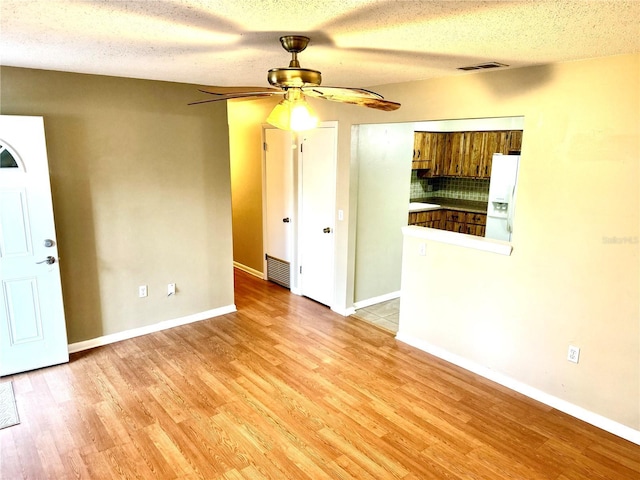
column 294, row 77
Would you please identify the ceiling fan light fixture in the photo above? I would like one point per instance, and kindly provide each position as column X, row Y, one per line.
column 293, row 113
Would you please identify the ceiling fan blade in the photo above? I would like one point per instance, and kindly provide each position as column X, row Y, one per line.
column 220, row 97
column 230, row 90
column 384, row 105
column 337, row 91
column 228, row 96
column 354, row 96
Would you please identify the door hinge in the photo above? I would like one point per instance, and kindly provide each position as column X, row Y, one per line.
column 264, row 146
column 266, row 257
column 301, row 148
column 300, row 269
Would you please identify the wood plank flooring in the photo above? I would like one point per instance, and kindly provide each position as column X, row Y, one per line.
column 287, row 389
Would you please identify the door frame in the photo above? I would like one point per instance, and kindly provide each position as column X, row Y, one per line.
column 296, row 280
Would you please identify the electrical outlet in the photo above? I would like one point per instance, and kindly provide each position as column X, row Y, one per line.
column 142, row 291
column 573, row 355
column 171, row 289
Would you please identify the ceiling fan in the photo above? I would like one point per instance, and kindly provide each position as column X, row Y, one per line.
column 294, row 82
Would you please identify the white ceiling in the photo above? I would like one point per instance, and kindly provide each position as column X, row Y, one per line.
column 354, row 43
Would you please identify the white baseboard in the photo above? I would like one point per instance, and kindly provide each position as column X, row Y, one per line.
column 156, row 327
column 375, row 300
column 576, row 411
column 249, row 270
column 345, row 312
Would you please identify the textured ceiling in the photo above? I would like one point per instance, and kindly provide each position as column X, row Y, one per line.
column 353, row 43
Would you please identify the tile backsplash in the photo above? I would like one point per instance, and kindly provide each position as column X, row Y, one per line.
column 449, row 187
column 420, row 187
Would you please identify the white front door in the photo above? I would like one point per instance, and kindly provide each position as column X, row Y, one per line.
column 317, row 213
column 278, row 199
column 32, row 324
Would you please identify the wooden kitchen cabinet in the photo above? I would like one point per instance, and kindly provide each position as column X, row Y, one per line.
column 475, row 223
column 435, row 146
column 455, row 216
column 429, row 218
column 435, row 219
column 514, row 141
column 455, row 221
column 503, row 141
column 451, row 220
column 476, row 218
column 465, row 222
column 454, row 154
column 494, row 142
column 429, row 152
column 420, row 160
column 474, row 156
column 461, row 154
column 417, row 145
column 465, row 154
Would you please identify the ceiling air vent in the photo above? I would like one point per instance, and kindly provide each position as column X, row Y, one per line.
column 484, row 66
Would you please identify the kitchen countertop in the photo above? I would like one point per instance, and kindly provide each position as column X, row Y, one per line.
column 452, row 204
column 423, row 206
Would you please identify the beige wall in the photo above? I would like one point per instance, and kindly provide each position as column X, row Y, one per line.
column 566, row 282
column 384, row 156
column 141, row 195
column 245, row 143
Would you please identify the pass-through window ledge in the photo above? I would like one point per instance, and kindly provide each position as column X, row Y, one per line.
column 459, row 239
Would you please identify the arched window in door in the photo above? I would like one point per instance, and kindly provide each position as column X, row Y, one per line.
column 8, row 158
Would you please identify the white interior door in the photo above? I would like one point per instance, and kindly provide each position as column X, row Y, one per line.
column 32, row 324
column 317, row 213
column 279, row 209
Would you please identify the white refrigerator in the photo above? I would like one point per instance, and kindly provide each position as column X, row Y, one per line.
column 502, row 196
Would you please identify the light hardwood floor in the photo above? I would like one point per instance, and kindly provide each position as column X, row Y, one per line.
column 287, row 389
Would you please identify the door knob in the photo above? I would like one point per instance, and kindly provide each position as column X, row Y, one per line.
column 286, row 220
column 49, row 260
column 326, row 230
